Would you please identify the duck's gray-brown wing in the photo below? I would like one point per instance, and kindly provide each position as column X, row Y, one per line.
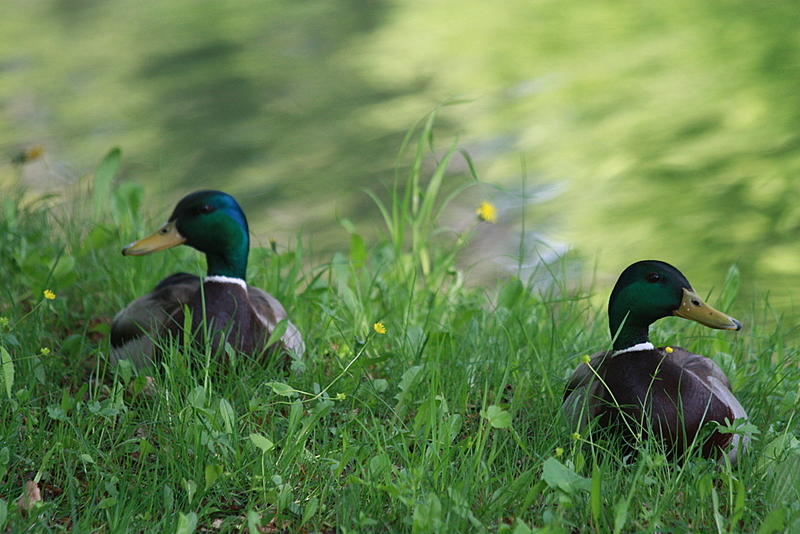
column 708, row 373
column 140, row 324
column 581, row 401
column 269, row 312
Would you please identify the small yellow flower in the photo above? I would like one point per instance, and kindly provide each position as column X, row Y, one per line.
column 379, row 328
column 49, row 295
column 487, row 212
column 559, row 452
column 668, row 350
column 340, row 396
column 586, row 359
column 4, row 321
column 576, row 436
column 44, row 351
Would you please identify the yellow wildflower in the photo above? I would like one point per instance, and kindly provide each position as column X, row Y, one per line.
column 340, row 396
column 4, row 321
column 576, row 436
column 49, row 295
column 587, row 359
column 44, row 351
column 668, row 350
column 379, row 328
column 487, row 212
column 559, row 452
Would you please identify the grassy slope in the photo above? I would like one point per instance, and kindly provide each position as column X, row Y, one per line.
column 448, row 422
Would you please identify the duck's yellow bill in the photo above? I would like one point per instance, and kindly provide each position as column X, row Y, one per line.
column 165, row 237
column 694, row 308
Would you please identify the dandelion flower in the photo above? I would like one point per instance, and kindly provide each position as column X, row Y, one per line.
column 487, row 212
column 49, row 295
column 379, row 328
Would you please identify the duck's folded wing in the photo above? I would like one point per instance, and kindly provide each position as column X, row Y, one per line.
column 707, row 372
column 143, row 321
column 701, row 366
column 270, row 312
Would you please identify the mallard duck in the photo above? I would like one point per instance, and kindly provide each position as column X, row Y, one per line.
column 213, row 223
column 636, row 389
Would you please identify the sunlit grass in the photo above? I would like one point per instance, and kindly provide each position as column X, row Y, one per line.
column 423, row 405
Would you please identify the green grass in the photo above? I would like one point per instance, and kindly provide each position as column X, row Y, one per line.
column 448, row 422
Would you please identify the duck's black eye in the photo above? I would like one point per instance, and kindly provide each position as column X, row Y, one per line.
column 206, row 208
column 653, row 277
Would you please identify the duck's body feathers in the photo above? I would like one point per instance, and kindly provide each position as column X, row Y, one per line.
column 673, row 393
column 245, row 314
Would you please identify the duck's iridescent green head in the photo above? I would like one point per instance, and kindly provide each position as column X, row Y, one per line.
column 649, row 290
column 210, row 221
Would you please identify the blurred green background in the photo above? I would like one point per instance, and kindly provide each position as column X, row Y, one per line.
column 641, row 129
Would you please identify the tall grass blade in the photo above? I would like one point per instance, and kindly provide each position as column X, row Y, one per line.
column 103, row 179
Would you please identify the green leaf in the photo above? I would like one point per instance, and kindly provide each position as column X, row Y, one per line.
column 510, row 294
column 497, row 417
column 227, row 414
column 284, row 390
column 7, row 365
column 38, row 370
column 169, row 498
column 56, row 412
column 559, row 476
column 197, row 397
column 126, row 200
column 63, row 269
column 3, row 513
column 253, row 522
column 776, row 450
column 106, row 503
column 5, row 458
column 186, row 523
column 261, row 442
column 358, row 251
column 408, row 381
column 277, row 332
column 596, row 496
column 191, row 488
column 428, row 515
column 521, row 528
column 311, row 508
column 145, row 448
column 620, row 514
column 212, row 472
column 348, row 225
column 774, row 522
